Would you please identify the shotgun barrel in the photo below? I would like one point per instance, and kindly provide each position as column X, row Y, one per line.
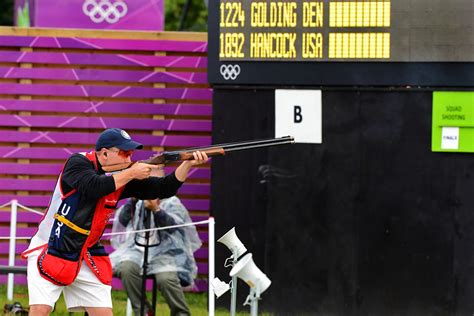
column 213, row 150
column 263, row 142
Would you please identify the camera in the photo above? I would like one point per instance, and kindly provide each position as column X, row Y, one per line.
column 14, row 309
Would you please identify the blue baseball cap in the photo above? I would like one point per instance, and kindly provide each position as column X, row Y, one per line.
column 116, row 137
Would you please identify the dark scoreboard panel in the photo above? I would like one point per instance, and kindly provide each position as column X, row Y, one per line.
column 378, row 42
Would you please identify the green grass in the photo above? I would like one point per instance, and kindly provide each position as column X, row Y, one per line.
column 197, row 303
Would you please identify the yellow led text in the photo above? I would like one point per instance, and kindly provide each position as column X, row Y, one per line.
column 272, row 45
column 231, row 45
column 313, row 14
column 312, row 45
column 273, row 14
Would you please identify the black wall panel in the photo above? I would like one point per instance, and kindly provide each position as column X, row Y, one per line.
column 370, row 222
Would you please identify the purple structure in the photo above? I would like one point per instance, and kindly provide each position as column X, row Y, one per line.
column 73, row 88
column 91, row 14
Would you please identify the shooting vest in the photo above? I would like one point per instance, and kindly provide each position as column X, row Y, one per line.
column 72, row 238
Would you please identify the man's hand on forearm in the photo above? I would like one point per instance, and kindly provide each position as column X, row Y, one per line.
column 182, row 171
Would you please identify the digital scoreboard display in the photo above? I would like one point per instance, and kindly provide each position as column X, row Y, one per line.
column 346, row 30
column 305, row 33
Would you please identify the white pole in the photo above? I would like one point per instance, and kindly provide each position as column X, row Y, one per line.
column 211, row 275
column 254, row 297
column 233, row 297
column 129, row 308
column 12, row 252
column 254, row 307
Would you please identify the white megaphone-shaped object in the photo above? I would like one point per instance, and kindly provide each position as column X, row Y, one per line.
column 247, row 271
column 233, row 242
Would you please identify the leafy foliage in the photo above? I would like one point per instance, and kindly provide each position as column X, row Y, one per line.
column 196, row 19
column 6, row 12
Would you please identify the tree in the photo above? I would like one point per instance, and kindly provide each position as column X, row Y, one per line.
column 6, row 12
column 196, row 18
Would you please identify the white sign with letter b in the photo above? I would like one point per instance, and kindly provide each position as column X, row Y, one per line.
column 298, row 114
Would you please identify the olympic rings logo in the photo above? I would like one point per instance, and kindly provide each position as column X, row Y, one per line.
column 104, row 10
column 230, row 71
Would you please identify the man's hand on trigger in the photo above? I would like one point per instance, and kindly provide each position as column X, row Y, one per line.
column 142, row 170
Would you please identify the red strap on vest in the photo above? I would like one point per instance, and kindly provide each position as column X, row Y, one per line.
column 26, row 253
column 92, row 157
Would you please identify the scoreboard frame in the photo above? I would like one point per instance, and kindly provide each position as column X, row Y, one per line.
column 329, row 73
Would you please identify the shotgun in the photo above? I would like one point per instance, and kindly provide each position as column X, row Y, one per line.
column 213, row 150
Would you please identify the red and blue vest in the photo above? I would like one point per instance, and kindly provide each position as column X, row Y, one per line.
column 70, row 233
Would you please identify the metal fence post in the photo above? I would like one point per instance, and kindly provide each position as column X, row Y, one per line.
column 12, row 251
column 211, row 275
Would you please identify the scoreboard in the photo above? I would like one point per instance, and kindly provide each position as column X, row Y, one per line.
column 345, row 42
column 346, row 30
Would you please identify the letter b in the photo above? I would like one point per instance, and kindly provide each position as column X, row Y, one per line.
column 298, row 117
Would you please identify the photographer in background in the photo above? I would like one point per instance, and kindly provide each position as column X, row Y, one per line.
column 171, row 260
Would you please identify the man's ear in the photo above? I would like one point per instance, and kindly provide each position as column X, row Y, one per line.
column 105, row 153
